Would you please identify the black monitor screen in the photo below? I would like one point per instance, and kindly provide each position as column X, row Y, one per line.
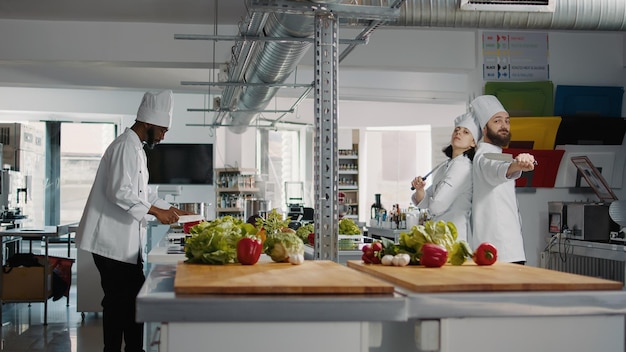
column 190, row 164
column 591, row 130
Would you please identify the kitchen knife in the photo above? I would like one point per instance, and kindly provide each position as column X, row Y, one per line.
column 429, row 172
column 501, row 157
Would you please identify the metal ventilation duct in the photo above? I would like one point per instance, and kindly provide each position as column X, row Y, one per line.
column 275, row 61
column 601, row 15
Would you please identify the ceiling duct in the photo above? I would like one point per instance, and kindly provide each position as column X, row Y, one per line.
column 508, row 5
column 273, row 62
column 600, row 15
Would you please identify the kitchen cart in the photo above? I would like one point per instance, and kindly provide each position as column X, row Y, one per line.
column 42, row 291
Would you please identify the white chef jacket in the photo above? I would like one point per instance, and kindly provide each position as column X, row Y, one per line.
column 113, row 222
column 495, row 212
column 449, row 198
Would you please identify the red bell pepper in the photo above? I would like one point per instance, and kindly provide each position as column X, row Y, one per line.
column 485, row 254
column 433, row 256
column 249, row 250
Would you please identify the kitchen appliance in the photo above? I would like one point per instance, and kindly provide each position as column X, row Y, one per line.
column 23, row 164
column 256, row 207
column 13, row 195
column 587, row 221
column 581, row 220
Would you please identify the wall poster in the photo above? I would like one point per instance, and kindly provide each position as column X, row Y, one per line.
column 515, row 56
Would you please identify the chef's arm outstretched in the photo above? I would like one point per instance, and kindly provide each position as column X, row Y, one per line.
column 522, row 162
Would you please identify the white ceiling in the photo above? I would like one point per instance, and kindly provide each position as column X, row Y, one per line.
column 152, row 11
column 40, row 71
column 104, row 70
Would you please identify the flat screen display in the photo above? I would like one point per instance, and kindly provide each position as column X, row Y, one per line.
column 181, row 164
column 590, row 130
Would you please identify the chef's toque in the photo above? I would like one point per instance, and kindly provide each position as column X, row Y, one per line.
column 156, row 108
column 468, row 121
column 484, row 107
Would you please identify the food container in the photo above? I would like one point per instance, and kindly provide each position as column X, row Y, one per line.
column 256, row 207
column 188, row 225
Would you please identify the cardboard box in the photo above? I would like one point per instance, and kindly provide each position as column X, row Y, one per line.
column 25, row 284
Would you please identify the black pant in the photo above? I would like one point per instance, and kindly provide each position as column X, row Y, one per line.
column 121, row 283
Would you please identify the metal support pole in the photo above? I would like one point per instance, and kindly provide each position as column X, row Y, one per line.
column 326, row 161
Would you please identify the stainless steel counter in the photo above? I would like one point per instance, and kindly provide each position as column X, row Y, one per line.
column 515, row 304
column 157, row 302
column 378, row 232
column 400, row 321
column 342, row 256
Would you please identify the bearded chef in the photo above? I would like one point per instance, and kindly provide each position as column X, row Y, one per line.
column 113, row 223
column 495, row 212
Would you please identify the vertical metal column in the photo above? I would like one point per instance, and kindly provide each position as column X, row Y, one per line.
column 326, row 161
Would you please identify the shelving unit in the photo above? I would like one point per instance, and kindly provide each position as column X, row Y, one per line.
column 349, row 180
column 234, row 187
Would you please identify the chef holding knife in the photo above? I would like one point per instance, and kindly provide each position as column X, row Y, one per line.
column 449, row 198
column 495, row 212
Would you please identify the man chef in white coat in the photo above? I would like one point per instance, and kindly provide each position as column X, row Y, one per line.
column 113, row 223
column 495, row 212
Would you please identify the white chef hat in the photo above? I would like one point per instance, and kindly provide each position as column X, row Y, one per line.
column 156, row 108
column 468, row 121
column 484, row 107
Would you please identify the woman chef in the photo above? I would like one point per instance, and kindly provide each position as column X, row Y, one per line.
column 449, row 198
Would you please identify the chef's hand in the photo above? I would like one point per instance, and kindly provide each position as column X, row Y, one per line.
column 418, row 183
column 525, row 161
column 182, row 212
column 165, row 216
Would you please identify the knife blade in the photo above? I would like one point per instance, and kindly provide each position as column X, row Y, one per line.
column 429, row 173
column 499, row 156
column 502, row 157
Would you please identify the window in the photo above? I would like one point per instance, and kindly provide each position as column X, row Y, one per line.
column 82, row 146
column 282, row 164
column 394, row 157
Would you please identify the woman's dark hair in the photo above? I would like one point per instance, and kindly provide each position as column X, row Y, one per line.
column 468, row 153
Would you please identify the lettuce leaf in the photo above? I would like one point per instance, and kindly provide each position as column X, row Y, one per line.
column 283, row 244
column 215, row 242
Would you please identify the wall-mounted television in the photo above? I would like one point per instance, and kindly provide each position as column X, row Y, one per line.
column 181, row 164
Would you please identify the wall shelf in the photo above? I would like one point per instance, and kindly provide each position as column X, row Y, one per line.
column 233, row 187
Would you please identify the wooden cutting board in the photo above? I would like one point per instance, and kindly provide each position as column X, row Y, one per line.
column 311, row 277
column 471, row 277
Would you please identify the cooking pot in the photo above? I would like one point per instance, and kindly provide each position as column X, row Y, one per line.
column 196, row 208
column 256, row 207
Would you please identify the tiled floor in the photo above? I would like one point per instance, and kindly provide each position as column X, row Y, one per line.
column 66, row 331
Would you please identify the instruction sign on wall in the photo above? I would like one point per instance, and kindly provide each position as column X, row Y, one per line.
column 515, row 56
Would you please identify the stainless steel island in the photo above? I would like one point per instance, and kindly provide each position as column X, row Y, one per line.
column 262, row 322
column 407, row 320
